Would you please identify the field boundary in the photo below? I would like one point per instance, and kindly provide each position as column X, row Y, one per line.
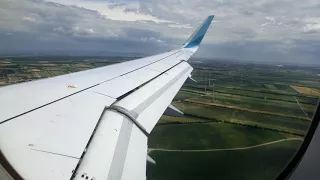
column 250, row 90
column 211, row 120
column 224, row 149
column 245, row 109
column 301, row 107
column 255, row 97
column 192, row 88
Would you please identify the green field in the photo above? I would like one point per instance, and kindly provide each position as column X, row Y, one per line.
column 20, row 69
column 263, row 163
column 209, row 136
column 44, row 74
column 168, row 119
column 286, row 96
column 230, row 115
column 184, row 95
column 275, row 106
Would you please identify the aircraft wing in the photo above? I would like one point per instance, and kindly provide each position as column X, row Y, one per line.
column 92, row 124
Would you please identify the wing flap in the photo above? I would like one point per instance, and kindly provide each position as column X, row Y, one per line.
column 99, row 157
column 117, row 150
column 150, row 116
column 128, row 146
column 139, row 100
column 136, row 156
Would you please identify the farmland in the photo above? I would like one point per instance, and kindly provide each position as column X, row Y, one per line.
column 238, row 108
column 263, row 162
column 209, row 136
column 250, row 118
column 20, row 69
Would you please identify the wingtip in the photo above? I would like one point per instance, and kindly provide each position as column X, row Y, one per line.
column 210, row 17
column 196, row 38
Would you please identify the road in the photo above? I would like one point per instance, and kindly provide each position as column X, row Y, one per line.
column 301, row 107
column 226, row 149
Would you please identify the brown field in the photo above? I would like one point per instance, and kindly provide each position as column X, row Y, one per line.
column 33, row 70
column 305, row 90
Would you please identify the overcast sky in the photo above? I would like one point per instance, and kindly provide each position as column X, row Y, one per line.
column 262, row 30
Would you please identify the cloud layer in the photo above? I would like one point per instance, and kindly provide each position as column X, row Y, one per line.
column 265, row 30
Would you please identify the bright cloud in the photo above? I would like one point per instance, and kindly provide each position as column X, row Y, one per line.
column 180, row 26
column 115, row 11
column 312, row 26
column 31, row 19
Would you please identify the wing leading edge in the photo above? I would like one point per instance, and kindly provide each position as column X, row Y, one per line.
column 97, row 130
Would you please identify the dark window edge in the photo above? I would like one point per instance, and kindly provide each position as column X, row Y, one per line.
column 292, row 166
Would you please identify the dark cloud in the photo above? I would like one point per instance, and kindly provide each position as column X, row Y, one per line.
column 304, row 52
column 29, row 43
column 245, row 33
column 141, row 33
column 260, row 30
column 247, row 13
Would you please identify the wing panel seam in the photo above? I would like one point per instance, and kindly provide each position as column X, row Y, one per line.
column 87, row 145
column 164, row 72
column 26, row 112
column 54, row 153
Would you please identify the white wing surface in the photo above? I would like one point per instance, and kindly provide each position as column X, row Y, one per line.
column 92, row 124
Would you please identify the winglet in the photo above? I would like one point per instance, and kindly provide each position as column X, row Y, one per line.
column 196, row 38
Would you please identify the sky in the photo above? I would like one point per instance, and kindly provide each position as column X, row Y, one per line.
column 280, row 31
